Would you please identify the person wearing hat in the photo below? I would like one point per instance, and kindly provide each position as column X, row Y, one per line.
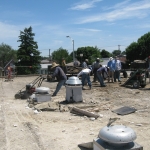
column 95, row 66
column 117, row 67
column 60, row 75
column 85, row 72
column 64, row 65
column 84, row 64
column 111, row 70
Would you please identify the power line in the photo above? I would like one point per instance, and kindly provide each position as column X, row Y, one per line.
column 112, row 46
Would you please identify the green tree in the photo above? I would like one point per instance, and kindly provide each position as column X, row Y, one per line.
column 123, row 53
column 132, row 52
column 144, row 45
column 28, row 53
column 140, row 49
column 105, row 54
column 90, row 53
column 57, row 55
column 116, row 52
column 6, row 54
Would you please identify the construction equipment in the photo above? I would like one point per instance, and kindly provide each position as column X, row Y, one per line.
column 137, row 79
column 26, row 91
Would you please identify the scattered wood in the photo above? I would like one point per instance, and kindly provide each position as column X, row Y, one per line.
column 81, row 112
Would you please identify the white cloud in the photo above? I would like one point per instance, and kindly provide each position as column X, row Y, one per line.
column 83, row 6
column 139, row 10
column 8, row 31
column 118, row 5
column 92, row 30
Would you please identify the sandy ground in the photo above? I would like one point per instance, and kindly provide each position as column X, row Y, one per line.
column 23, row 129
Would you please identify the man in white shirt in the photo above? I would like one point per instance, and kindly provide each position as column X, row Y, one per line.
column 85, row 76
column 117, row 68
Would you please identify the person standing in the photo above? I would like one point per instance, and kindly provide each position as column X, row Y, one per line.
column 9, row 72
column 84, row 64
column 100, row 73
column 76, row 63
column 96, row 65
column 64, row 65
column 148, row 69
column 60, row 75
column 85, row 76
column 117, row 68
column 111, row 70
column 147, row 62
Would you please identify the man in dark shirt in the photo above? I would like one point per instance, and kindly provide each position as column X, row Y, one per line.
column 84, row 64
column 60, row 75
column 96, row 65
column 100, row 72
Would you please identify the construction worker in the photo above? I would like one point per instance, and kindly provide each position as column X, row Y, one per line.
column 76, row 63
column 100, row 73
column 64, row 65
column 9, row 73
column 111, row 70
column 148, row 61
column 84, row 64
column 85, row 72
column 60, row 75
column 116, row 68
column 95, row 66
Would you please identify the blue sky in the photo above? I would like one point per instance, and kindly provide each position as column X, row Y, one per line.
column 102, row 23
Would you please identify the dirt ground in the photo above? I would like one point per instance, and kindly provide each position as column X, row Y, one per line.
column 22, row 128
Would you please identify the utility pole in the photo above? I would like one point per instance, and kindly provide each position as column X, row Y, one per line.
column 49, row 55
column 73, row 46
column 119, row 47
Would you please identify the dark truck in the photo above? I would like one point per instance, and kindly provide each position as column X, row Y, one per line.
column 134, row 66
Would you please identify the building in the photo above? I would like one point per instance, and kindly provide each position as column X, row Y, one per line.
column 104, row 61
column 44, row 66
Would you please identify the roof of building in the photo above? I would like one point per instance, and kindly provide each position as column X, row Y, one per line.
column 104, row 61
column 45, row 66
column 45, row 61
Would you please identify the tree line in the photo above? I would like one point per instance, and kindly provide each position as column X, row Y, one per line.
column 27, row 57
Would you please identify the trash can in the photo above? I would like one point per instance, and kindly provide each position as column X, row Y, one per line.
column 74, row 89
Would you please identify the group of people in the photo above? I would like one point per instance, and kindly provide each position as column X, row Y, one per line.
column 112, row 70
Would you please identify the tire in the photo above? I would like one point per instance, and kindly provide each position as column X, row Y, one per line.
column 131, row 74
column 125, row 75
column 136, row 84
column 17, row 96
column 147, row 74
column 142, row 86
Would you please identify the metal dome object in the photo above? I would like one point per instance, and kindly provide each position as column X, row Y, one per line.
column 42, row 90
column 73, row 81
column 117, row 134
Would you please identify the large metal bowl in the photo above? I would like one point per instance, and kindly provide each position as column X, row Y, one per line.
column 42, row 90
column 117, row 134
column 73, row 81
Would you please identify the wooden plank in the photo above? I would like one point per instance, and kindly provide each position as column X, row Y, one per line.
column 78, row 111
